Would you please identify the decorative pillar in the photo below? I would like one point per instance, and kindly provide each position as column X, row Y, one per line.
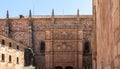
column 79, row 57
column 31, row 31
column 78, row 16
column 8, row 25
column 53, row 19
column 31, row 37
column 94, row 41
column 53, row 23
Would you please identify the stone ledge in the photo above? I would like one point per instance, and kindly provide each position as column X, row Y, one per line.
column 29, row 67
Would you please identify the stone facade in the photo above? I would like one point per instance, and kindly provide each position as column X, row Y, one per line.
column 58, row 41
column 107, row 29
column 11, row 53
column 65, row 41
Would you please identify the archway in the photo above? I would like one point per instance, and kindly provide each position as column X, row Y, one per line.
column 58, row 67
column 69, row 67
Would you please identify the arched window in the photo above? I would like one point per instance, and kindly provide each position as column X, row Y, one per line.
column 87, row 47
column 3, row 42
column 42, row 47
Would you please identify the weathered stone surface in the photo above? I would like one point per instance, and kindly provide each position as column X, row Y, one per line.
column 107, row 23
column 64, row 38
column 14, row 49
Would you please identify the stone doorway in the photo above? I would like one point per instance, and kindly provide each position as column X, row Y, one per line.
column 69, row 67
column 58, row 67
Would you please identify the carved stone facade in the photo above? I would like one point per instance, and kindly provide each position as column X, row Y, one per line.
column 57, row 41
column 69, row 41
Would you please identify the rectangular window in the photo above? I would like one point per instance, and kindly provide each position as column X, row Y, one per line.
column 3, row 57
column 17, row 47
column 10, row 59
column 10, row 44
column 17, row 60
column 3, row 42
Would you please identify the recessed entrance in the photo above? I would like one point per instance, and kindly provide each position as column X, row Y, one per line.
column 58, row 67
column 69, row 67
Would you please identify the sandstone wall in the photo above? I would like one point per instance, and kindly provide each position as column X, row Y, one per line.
column 62, row 35
column 107, row 30
column 13, row 52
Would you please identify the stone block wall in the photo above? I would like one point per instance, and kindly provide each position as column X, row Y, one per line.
column 11, row 53
column 71, row 29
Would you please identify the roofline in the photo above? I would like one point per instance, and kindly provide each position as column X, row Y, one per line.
column 55, row 16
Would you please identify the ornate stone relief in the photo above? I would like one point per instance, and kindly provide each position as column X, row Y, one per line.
column 80, row 34
column 48, row 34
column 64, row 46
column 64, row 34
